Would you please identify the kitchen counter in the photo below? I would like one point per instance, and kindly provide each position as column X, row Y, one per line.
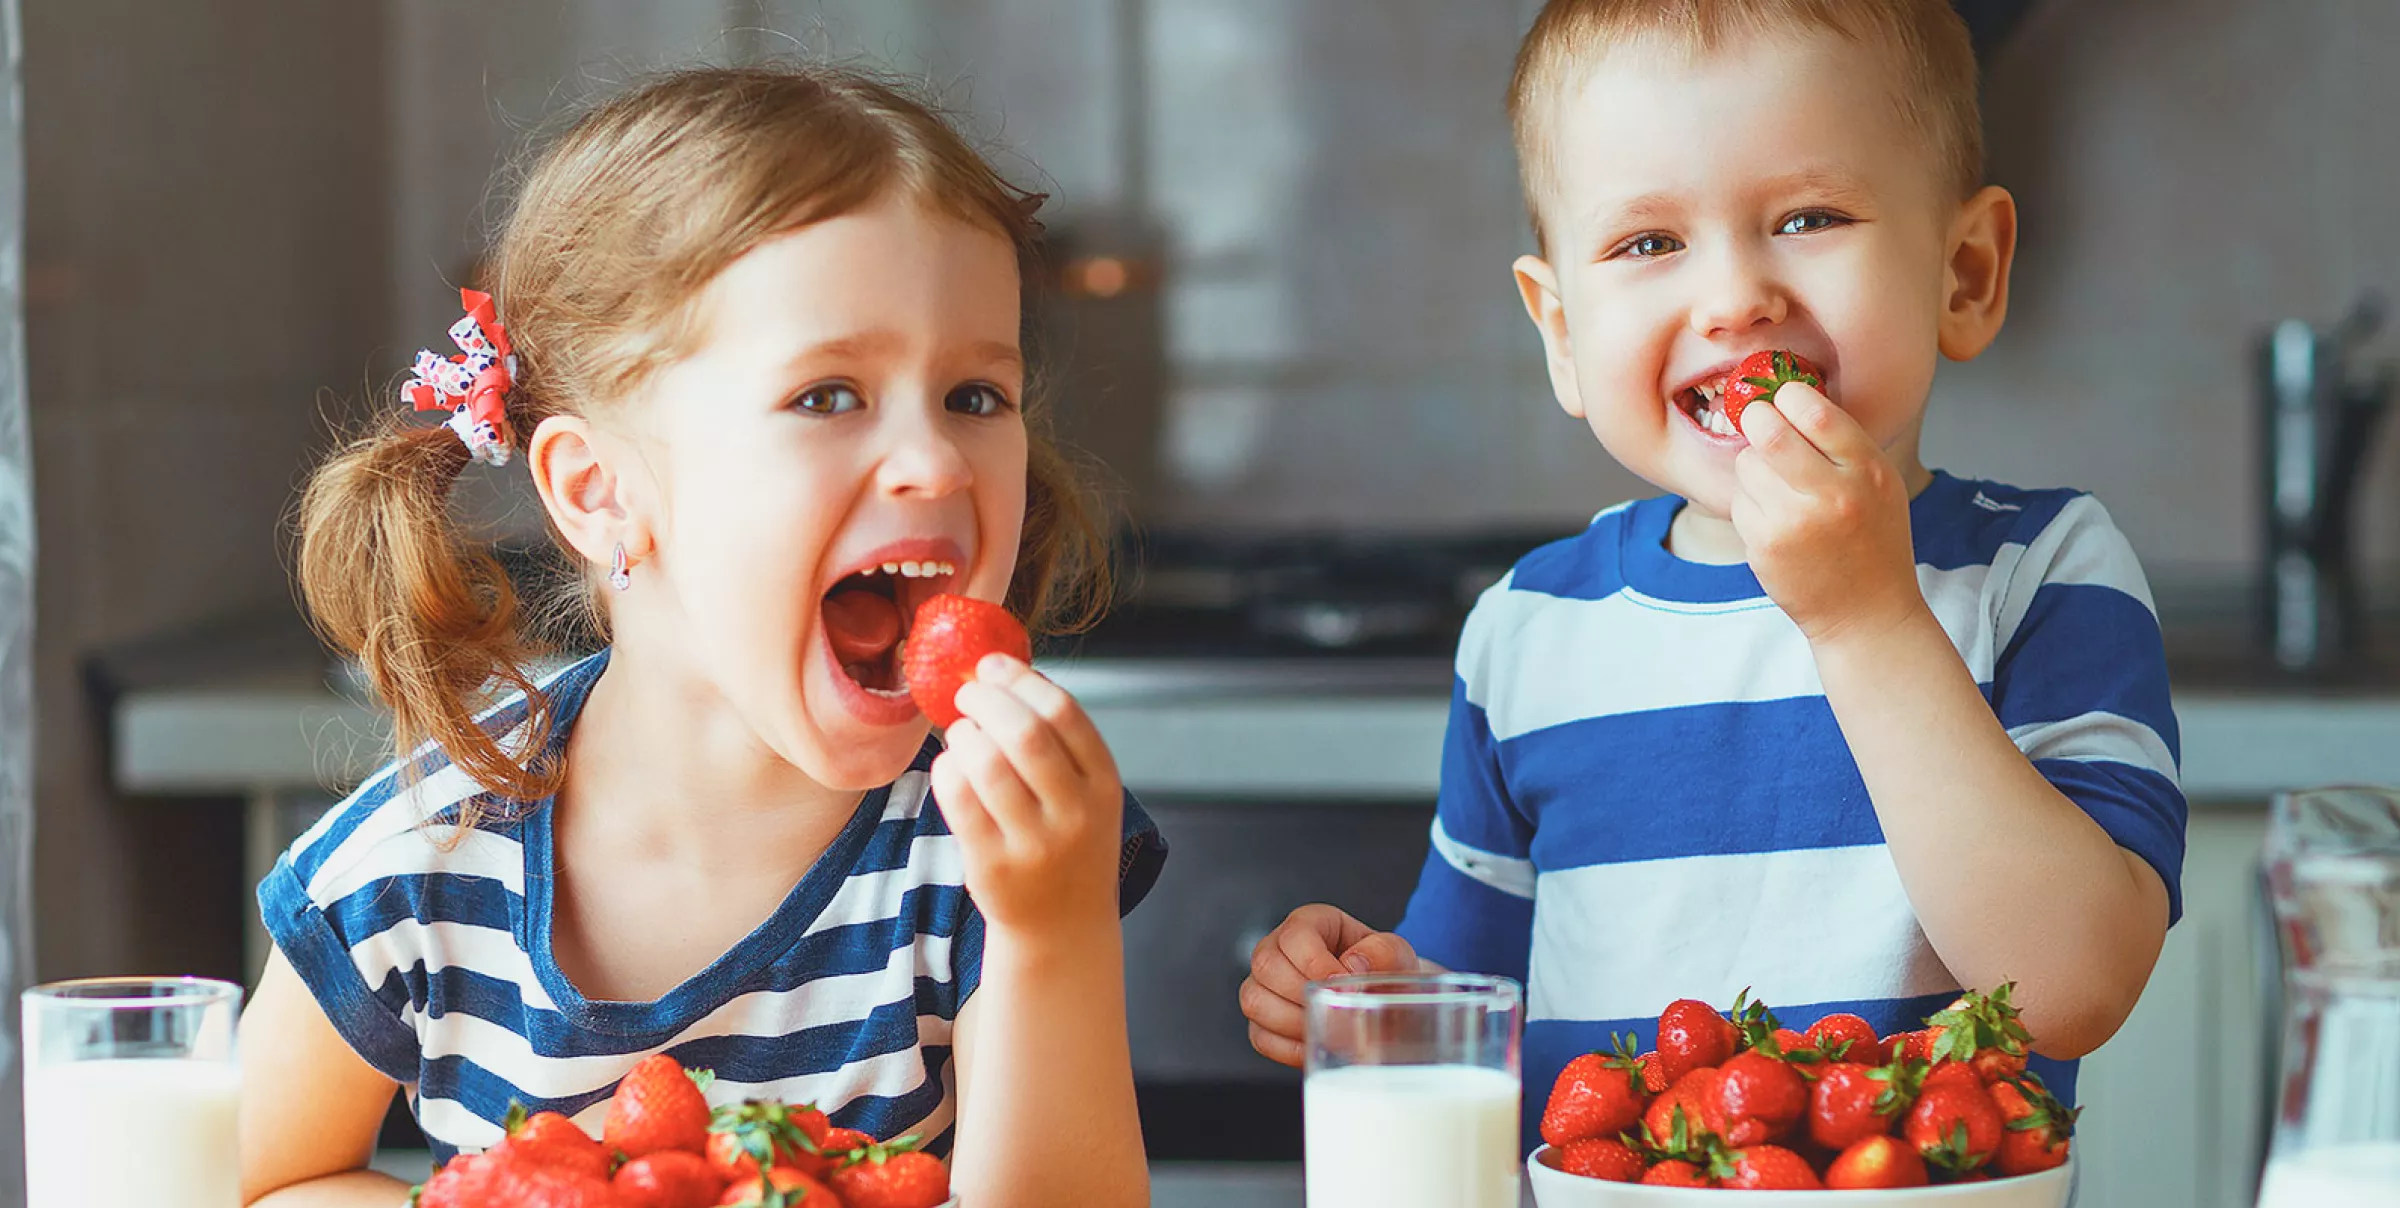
column 1363, row 729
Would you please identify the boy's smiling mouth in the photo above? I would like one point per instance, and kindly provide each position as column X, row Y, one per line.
column 867, row 612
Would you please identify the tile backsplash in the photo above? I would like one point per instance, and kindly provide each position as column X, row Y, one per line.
column 1346, row 347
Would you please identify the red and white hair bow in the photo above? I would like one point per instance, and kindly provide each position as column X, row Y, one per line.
column 473, row 385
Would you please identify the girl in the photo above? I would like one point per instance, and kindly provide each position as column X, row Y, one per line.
column 756, row 339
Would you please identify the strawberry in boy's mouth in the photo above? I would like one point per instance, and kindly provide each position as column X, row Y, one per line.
column 866, row 618
column 1715, row 402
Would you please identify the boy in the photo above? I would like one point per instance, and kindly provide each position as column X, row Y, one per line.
column 1821, row 722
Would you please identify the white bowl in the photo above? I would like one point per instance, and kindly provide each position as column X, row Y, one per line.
column 1558, row 1189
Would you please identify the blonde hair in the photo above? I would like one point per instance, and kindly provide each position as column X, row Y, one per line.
column 1926, row 40
column 615, row 232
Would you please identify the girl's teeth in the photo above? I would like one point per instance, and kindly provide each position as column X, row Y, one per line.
column 891, row 568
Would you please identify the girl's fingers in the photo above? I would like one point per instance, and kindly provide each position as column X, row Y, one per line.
column 986, row 770
column 1066, row 719
column 961, row 808
column 1031, row 748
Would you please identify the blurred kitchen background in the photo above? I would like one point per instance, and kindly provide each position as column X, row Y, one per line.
column 1279, row 306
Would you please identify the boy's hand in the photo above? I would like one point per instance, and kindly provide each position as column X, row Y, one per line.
column 1314, row 943
column 1823, row 515
column 1032, row 794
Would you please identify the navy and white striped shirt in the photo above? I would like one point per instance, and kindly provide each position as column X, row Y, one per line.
column 429, row 949
column 1645, row 796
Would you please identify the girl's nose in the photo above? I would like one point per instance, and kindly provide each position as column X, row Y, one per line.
column 922, row 460
column 1736, row 297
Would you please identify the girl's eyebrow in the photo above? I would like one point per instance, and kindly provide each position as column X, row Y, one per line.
column 885, row 343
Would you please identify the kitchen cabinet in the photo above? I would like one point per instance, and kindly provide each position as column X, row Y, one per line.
column 2174, row 1104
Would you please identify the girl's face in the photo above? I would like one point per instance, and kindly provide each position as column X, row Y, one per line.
column 853, row 406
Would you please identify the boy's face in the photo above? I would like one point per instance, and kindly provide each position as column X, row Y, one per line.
column 1704, row 207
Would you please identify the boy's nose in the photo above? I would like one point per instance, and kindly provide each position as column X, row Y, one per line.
column 1736, row 298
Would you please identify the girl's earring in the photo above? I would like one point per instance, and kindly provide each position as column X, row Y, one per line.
column 619, row 575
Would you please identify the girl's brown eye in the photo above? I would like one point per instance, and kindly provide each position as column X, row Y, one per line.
column 832, row 398
column 976, row 398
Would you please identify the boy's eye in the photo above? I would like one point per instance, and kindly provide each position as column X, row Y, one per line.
column 832, row 398
column 976, row 398
column 1808, row 223
column 1649, row 246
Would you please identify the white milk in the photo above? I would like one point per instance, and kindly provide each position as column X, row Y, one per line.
column 132, row 1134
column 1411, row 1136
column 2361, row 1175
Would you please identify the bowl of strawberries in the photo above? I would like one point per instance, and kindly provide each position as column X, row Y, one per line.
column 1737, row 1103
column 663, row 1146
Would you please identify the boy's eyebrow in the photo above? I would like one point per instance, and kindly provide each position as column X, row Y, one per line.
column 1604, row 221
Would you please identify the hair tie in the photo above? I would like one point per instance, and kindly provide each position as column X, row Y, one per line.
column 472, row 385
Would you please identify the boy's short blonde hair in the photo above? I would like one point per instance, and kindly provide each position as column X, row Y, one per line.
column 1925, row 40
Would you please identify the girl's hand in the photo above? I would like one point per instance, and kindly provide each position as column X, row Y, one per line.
column 1033, row 796
column 1823, row 516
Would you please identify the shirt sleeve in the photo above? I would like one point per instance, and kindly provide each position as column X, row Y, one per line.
column 1473, row 907
column 1140, row 857
column 311, row 936
column 2081, row 685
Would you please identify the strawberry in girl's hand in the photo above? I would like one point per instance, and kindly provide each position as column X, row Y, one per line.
column 1770, row 1168
column 948, row 637
column 669, row 1178
column 1874, row 1163
column 550, row 1139
column 658, row 1107
column 1599, row 1158
column 1597, row 1095
column 1690, row 1035
column 895, row 1175
column 2036, row 1127
column 1759, row 376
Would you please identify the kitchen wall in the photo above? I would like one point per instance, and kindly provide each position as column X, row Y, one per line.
column 206, row 253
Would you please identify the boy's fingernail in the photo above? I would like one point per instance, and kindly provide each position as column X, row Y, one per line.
column 1356, row 963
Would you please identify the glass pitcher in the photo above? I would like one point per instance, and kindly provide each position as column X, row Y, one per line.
column 2333, row 874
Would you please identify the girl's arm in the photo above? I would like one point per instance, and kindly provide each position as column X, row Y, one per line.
column 1045, row 1075
column 311, row 1107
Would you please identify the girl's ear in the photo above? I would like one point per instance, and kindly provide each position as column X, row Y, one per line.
column 585, row 490
column 1983, row 246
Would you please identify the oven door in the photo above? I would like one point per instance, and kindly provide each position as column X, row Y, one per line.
column 1235, row 869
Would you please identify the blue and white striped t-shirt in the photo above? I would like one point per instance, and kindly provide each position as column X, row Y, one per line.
column 430, row 952
column 1645, row 797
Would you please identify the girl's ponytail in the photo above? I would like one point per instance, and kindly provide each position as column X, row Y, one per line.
column 390, row 577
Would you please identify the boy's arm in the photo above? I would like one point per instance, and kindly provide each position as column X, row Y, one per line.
column 2011, row 879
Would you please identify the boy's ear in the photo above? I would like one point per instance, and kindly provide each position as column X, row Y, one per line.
column 583, row 489
column 1538, row 283
column 1983, row 246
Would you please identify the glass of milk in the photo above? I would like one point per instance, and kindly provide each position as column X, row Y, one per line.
column 1412, row 1091
column 131, row 1087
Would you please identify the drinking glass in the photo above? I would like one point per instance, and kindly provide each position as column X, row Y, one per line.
column 1412, row 1090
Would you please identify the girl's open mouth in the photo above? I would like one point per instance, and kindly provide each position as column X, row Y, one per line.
column 867, row 615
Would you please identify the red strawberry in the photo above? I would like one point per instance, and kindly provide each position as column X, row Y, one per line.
column 1599, row 1158
column 1756, row 1098
column 1654, row 1074
column 1770, row 1168
column 1917, row 1046
column 1955, row 1128
column 839, row 1143
column 668, row 1179
column 763, row 1132
column 1759, row 376
column 1796, row 1047
column 1850, row 1103
column 1690, row 1035
column 1675, row 1119
column 897, row 1175
column 1597, row 1095
column 1950, row 1073
column 1831, row 1034
column 658, row 1107
column 781, row 1187
column 461, row 1182
column 1981, row 1031
column 1676, row 1173
column 2036, row 1127
column 1891, row 1048
column 550, row 1139
column 1877, row 1162
column 948, row 637
column 520, row 1183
